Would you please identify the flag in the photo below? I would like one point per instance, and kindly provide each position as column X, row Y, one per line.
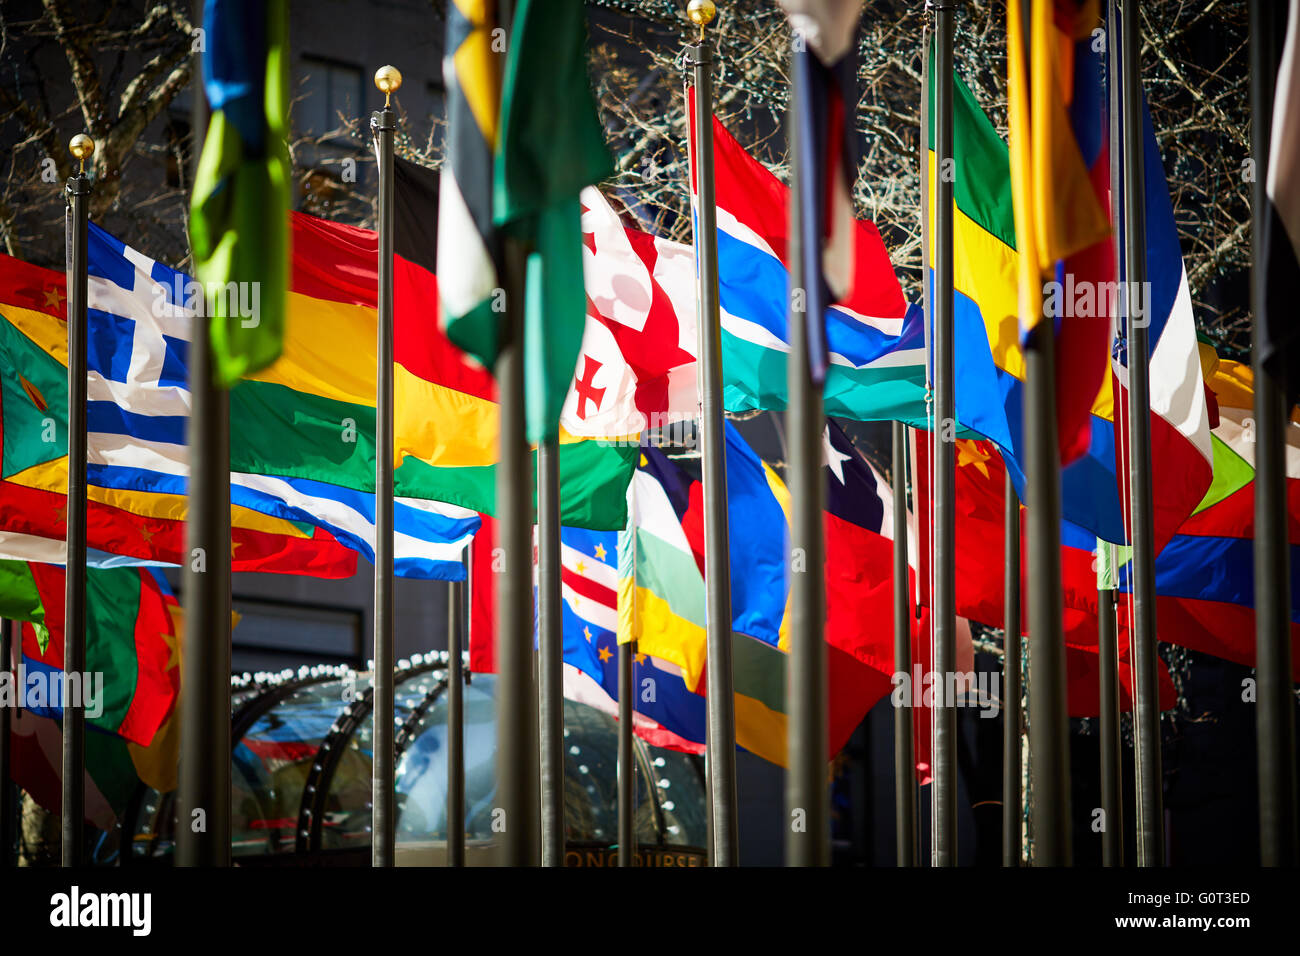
column 1205, row 576
column 243, row 186
column 131, row 644
column 1060, row 178
column 661, row 597
column 990, row 376
column 980, row 573
column 824, row 31
column 469, row 297
column 1276, row 328
column 125, row 523
column 667, row 713
column 446, row 420
column 636, row 368
column 875, row 343
column 302, row 430
column 551, row 147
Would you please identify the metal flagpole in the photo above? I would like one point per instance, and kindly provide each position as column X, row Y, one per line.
column 626, row 757
column 904, row 749
column 1151, row 842
column 74, row 630
column 1012, row 720
column 1112, row 792
column 1276, row 703
column 457, row 592
column 550, row 651
column 8, row 803
column 944, row 852
column 721, row 705
column 383, row 124
column 807, row 838
column 203, row 803
column 1049, row 755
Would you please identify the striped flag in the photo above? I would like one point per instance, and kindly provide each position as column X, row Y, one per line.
column 124, row 524
column 1277, row 329
column 875, row 343
column 469, row 296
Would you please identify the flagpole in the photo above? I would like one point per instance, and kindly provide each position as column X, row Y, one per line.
column 456, row 596
column 904, row 748
column 1151, row 840
column 1012, row 719
column 626, row 758
column 8, row 803
column 1049, row 755
column 203, row 799
column 944, row 852
column 1275, row 700
column 720, row 701
column 550, row 652
column 74, row 629
column 1112, row 793
column 383, row 125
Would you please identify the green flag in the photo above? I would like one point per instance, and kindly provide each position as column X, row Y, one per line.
column 239, row 229
column 551, row 146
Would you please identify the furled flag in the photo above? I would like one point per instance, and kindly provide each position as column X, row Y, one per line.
column 823, row 108
column 469, row 295
column 243, row 186
column 661, row 596
column 1277, row 329
column 551, row 147
column 446, row 418
column 667, row 713
column 126, row 523
column 1060, row 185
column 636, row 370
column 131, row 645
column 990, row 376
column 876, row 345
column 1205, row 576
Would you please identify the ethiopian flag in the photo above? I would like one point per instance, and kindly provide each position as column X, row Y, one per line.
column 243, row 185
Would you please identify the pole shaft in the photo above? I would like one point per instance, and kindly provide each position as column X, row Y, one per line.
column 721, row 714
column 551, row 652
column 204, row 784
column 456, row 592
column 1012, row 722
column 518, row 742
column 1147, row 710
column 383, row 795
column 904, row 749
column 10, row 635
column 1275, row 697
column 945, row 614
column 74, row 630
column 1112, row 794
column 626, row 757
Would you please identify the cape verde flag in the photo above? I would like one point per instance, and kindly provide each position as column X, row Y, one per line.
column 138, row 341
column 876, row 345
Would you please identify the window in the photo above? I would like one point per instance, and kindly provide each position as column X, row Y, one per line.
column 329, row 93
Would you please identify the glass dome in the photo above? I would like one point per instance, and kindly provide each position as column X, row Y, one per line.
column 301, row 778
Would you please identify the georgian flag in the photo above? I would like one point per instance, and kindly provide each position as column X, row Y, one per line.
column 636, row 369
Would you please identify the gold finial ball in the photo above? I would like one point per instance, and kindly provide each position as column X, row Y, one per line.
column 388, row 79
column 701, row 12
column 82, row 146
